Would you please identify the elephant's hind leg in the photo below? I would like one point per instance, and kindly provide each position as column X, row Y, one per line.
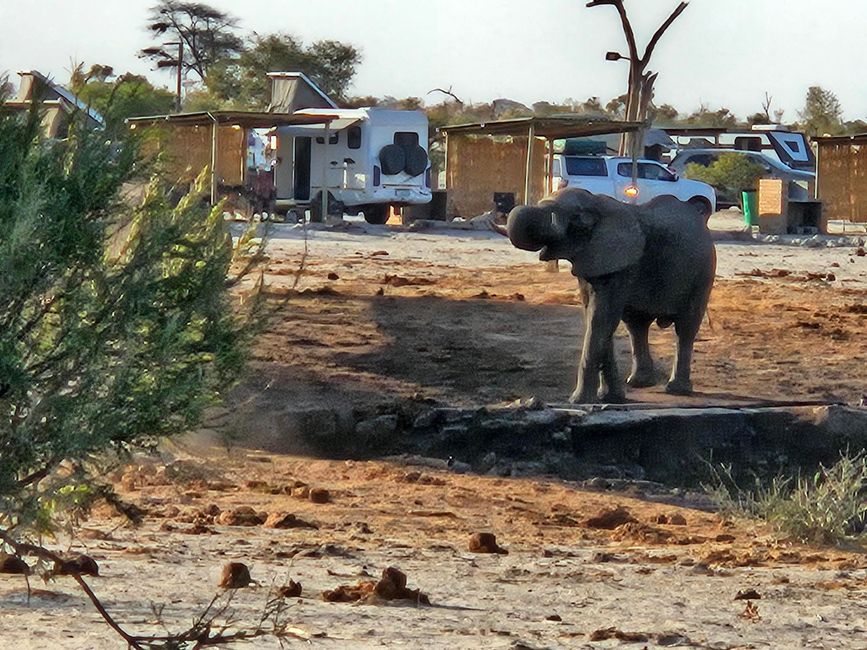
column 687, row 330
column 643, row 374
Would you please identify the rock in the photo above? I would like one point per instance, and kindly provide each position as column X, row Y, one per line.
column 748, row 594
column 79, row 565
column 378, row 428
column 235, row 575
column 544, row 417
column 243, row 516
column 426, row 419
column 392, row 586
column 528, row 403
column 333, row 276
column 554, row 617
column 349, row 593
column 319, row 495
column 13, row 564
column 485, row 543
column 284, row 520
column 676, row 519
column 291, row 590
column 610, row 519
column 302, row 492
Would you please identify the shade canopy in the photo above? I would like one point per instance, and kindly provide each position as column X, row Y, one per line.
column 243, row 119
column 552, row 128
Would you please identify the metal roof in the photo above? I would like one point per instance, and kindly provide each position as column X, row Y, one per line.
column 699, row 130
column 245, row 119
column 553, row 128
column 68, row 96
column 857, row 138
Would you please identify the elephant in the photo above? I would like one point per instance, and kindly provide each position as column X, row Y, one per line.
column 635, row 263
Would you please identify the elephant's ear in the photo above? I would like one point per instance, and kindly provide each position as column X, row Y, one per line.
column 615, row 242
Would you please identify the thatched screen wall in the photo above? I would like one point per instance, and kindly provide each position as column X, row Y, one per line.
column 842, row 167
column 188, row 151
column 478, row 166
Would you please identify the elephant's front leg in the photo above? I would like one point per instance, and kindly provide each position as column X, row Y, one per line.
column 642, row 374
column 604, row 301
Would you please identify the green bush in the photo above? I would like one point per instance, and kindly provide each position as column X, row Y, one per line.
column 825, row 508
column 116, row 325
column 731, row 172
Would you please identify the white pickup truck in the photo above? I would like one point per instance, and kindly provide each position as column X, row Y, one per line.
column 612, row 176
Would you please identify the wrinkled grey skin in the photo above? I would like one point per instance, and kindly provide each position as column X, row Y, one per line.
column 638, row 264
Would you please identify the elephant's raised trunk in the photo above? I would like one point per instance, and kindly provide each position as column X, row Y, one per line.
column 533, row 228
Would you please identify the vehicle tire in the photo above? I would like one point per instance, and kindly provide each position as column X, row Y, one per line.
column 376, row 214
column 392, row 159
column 702, row 205
column 416, row 161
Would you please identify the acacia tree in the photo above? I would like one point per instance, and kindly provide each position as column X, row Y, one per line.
column 115, row 322
column 208, row 34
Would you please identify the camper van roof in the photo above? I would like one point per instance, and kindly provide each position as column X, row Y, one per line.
column 305, row 79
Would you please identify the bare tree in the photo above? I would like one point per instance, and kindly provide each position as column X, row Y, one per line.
column 641, row 80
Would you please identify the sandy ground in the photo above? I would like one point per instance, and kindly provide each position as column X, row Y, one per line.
column 379, row 315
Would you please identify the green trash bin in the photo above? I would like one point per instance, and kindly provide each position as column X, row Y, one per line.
column 751, row 207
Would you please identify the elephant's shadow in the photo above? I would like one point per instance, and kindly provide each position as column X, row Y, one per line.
column 482, row 351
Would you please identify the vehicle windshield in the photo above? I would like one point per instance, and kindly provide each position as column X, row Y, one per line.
column 576, row 166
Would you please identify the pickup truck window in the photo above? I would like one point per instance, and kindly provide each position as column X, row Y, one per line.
column 647, row 171
column 576, row 166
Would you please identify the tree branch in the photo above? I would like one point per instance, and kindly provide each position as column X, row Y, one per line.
column 659, row 32
column 627, row 26
column 22, row 548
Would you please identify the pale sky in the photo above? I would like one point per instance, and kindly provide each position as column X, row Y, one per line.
column 719, row 52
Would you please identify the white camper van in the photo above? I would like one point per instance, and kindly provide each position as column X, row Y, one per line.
column 367, row 159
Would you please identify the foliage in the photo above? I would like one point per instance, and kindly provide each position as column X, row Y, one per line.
column 704, row 116
column 822, row 113
column 115, row 322
column 731, row 172
column 244, row 81
column 825, row 508
column 208, row 34
column 128, row 95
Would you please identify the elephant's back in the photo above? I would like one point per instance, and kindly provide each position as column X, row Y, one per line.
column 679, row 261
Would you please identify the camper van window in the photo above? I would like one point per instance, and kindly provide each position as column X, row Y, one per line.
column 353, row 137
column 331, row 139
column 406, row 139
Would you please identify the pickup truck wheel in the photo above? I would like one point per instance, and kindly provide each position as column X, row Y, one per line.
column 416, row 161
column 376, row 214
column 702, row 205
column 392, row 159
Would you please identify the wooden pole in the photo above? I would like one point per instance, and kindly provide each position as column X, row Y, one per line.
column 528, row 170
column 214, row 143
column 180, row 73
column 324, row 198
column 550, row 144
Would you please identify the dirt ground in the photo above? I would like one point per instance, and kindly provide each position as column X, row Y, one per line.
column 377, row 315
